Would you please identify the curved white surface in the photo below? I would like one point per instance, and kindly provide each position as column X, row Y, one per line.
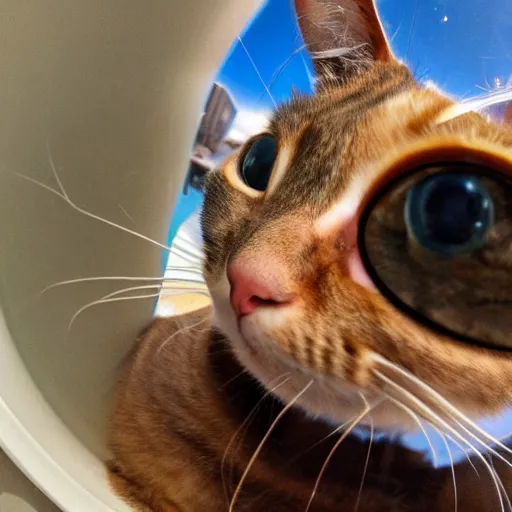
column 116, row 89
column 41, row 445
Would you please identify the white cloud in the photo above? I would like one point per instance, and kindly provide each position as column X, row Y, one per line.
column 248, row 123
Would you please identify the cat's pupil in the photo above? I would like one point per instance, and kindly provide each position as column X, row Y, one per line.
column 449, row 213
column 258, row 161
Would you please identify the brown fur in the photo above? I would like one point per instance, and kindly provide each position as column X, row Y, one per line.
column 193, row 405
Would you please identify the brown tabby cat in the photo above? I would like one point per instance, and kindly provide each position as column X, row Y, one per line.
column 232, row 409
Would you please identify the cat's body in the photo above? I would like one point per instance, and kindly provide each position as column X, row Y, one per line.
column 184, row 447
column 224, row 412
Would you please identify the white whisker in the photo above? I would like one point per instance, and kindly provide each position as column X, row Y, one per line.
column 128, row 215
column 416, row 418
column 328, row 436
column 106, row 301
column 351, row 427
column 288, row 406
column 257, row 70
column 92, row 215
column 503, row 490
column 118, row 278
column 461, row 448
column 280, row 69
column 455, row 501
column 367, row 461
column 113, row 297
column 476, row 438
column 244, row 371
column 443, row 401
column 247, row 420
column 54, row 170
column 180, row 331
column 438, row 420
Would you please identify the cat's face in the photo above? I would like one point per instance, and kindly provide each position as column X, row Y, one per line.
column 283, row 264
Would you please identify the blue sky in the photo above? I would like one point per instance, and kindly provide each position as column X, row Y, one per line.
column 459, row 44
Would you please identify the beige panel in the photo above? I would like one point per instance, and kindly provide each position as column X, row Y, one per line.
column 113, row 91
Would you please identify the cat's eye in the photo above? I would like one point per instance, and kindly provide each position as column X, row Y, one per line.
column 257, row 161
column 449, row 213
column 437, row 242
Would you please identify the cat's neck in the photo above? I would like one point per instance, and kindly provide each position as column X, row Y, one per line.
column 202, row 405
column 241, row 394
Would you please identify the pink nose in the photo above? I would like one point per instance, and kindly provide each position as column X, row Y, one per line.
column 254, row 285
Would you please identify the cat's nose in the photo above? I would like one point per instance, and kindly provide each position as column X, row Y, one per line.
column 254, row 285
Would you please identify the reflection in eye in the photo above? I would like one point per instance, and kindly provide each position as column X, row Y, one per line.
column 449, row 213
column 437, row 241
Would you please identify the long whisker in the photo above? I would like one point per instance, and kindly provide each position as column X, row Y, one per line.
column 503, row 490
column 106, row 301
column 180, row 331
column 413, row 24
column 113, row 297
column 282, row 379
column 504, row 437
column 328, row 436
column 351, row 427
column 288, row 406
column 54, row 169
column 86, row 213
column 332, row 433
column 367, row 461
column 455, row 500
column 438, row 420
column 244, row 371
column 423, row 406
column 439, row 398
column 196, row 270
column 471, row 434
column 119, row 278
column 249, row 419
column 280, row 70
column 257, row 70
column 461, row 448
column 416, row 418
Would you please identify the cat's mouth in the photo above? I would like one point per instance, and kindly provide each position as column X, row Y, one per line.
column 327, row 396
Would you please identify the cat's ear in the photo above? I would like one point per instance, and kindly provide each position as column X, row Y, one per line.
column 342, row 35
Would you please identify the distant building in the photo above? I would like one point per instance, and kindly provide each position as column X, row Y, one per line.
column 210, row 147
column 217, row 119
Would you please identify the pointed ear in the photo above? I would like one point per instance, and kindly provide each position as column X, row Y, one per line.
column 342, row 35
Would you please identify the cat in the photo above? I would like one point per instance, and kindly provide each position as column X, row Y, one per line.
column 231, row 408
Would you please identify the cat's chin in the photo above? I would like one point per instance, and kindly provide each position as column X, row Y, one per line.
column 325, row 397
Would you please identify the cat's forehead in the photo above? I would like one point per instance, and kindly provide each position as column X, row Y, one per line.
column 325, row 140
column 335, row 100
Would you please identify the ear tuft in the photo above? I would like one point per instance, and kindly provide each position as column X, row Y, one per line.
column 295, row 92
column 342, row 35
